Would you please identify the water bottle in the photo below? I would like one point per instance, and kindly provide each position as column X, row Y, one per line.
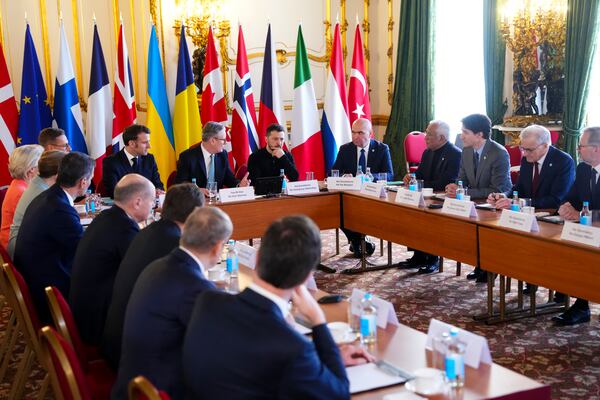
column 360, row 174
column 232, row 259
column 455, row 364
column 90, row 202
column 412, row 183
column 369, row 176
column 194, row 181
column 368, row 320
column 585, row 216
column 514, row 205
column 283, row 181
column 460, row 191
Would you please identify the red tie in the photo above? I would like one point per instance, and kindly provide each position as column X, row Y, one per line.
column 536, row 178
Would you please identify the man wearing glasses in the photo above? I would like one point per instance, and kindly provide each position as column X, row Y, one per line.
column 585, row 188
column 208, row 162
column 54, row 139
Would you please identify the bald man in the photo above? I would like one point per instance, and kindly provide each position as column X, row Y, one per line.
column 101, row 250
column 367, row 153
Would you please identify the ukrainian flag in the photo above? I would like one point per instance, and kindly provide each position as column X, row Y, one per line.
column 186, row 117
column 159, row 116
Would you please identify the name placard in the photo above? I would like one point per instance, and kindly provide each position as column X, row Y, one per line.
column 302, row 187
column 460, row 208
column 236, row 194
column 246, row 254
column 477, row 349
column 583, row 234
column 410, row 198
column 342, row 183
column 385, row 310
column 519, row 221
column 374, row 189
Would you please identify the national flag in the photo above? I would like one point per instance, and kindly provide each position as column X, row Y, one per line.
column 67, row 111
column 307, row 142
column 335, row 125
column 159, row 117
column 187, row 129
column 9, row 120
column 358, row 88
column 124, row 113
column 270, row 110
column 244, row 138
column 99, row 113
column 35, row 112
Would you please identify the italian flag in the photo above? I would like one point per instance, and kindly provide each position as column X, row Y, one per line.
column 306, row 138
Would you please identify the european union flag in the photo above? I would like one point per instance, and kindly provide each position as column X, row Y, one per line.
column 35, row 112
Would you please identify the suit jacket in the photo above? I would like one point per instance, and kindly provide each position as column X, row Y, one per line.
column 157, row 316
column 582, row 190
column 191, row 165
column 556, row 177
column 378, row 160
column 259, row 356
column 446, row 170
column 152, row 243
column 46, row 244
column 95, row 266
column 117, row 165
column 493, row 172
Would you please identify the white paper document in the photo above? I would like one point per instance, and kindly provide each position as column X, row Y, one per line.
column 367, row 377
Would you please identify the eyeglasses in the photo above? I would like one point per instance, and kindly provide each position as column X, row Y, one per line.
column 62, row 146
column 580, row 146
column 528, row 150
column 222, row 140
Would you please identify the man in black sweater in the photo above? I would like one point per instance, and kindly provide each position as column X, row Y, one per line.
column 271, row 159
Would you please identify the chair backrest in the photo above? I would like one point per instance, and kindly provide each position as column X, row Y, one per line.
column 514, row 154
column 171, row 179
column 141, row 388
column 65, row 323
column 20, row 300
column 3, row 191
column 414, row 146
column 67, row 377
column 4, row 256
column 241, row 171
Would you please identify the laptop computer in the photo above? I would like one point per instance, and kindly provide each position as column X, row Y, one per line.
column 268, row 185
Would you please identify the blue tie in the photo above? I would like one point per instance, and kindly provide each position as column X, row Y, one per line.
column 476, row 162
column 362, row 161
column 211, row 169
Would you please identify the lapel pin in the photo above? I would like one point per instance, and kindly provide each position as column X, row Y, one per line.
column 550, row 165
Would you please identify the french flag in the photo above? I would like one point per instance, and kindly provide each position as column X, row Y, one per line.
column 335, row 124
column 244, row 138
column 271, row 109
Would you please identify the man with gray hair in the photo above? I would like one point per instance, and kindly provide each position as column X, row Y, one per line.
column 545, row 175
column 162, row 300
column 585, row 188
column 438, row 167
column 101, row 250
column 208, row 161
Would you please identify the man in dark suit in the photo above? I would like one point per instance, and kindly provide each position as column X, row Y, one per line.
column 132, row 159
column 161, row 304
column 585, row 188
column 438, row 167
column 152, row 243
column 363, row 152
column 259, row 354
column 484, row 167
column 271, row 159
column 208, row 161
column 51, row 230
column 101, row 250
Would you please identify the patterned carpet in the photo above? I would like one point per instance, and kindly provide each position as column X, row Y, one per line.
column 567, row 358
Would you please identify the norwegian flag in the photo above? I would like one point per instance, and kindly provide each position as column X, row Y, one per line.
column 358, row 88
column 244, row 137
column 124, row 103
column 270, row 110
column 213, row 95
column 9, row 120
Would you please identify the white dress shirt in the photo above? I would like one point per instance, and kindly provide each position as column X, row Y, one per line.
column 130, row 157
column 282, row 304
column 200, row 265
column 71, row 200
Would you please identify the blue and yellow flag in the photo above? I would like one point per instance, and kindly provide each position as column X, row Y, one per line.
column 159, row 116
column 35, row 112
column 186, row 116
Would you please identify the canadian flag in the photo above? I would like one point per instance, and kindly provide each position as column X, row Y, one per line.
column 9, row 120
column 358, row 88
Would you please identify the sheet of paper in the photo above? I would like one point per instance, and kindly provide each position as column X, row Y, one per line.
column 367, row 377
column 485, row 206
column 86, row 221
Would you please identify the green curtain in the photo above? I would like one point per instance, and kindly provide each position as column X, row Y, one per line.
column 494, row 51
column 412, row 105
column 582, row 28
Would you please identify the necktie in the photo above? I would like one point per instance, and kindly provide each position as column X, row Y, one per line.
column 211, row 169
column 362, row 161
column 536, row 178
column 134, row 164
column 475, row 162
column 593, row 186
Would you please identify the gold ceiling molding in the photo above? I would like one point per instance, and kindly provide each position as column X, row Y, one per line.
column 380, row 119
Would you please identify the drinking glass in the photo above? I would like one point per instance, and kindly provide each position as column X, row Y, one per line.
column 212, row 192
column 310, row 176
column 420, row 185
column 382, row 177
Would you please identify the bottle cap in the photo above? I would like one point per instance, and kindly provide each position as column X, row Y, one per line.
column 586, row 204
column 368, row 296
column 453, row 331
